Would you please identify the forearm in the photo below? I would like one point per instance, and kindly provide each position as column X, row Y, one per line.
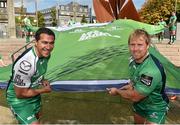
column 30, row 93
column 127, row 94
column 130, row 94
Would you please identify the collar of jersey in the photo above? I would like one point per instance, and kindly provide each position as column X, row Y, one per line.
column 147, row 55
column 34, row 52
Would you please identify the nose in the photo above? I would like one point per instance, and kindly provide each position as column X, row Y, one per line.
column 49, row 46
column 135, row 47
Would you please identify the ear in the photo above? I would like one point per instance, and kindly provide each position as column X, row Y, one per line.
column 35, row 43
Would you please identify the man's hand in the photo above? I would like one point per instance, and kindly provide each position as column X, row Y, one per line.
column 46, row 86
column 112, row 91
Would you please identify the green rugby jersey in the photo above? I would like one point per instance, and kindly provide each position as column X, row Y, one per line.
column 172, row 22
column 149, row 79
column 27, row 72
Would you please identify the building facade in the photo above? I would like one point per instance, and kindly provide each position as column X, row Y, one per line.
column 64, row 13
column 8, row 27
column 3, row 18
column 7, row 19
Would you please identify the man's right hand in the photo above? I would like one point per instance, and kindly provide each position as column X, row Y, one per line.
column 46, row 87
column 112, row 91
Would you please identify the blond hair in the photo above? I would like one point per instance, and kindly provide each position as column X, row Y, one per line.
column 138, row 33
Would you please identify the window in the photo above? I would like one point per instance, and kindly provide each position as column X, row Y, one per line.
column 80, row 9
column 85, row 10
column 67, row 8
column 62, row 7
column 2, row 4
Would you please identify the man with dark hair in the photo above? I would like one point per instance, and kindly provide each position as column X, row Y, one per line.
column 146, row 88
column 27, row 82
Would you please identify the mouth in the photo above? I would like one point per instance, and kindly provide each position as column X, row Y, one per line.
column 135, row 54
column 46, row 52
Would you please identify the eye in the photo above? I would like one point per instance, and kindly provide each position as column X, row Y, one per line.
column 44, row 42
column 52, row 43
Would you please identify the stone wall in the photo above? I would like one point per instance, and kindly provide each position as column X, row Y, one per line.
column 178, row 31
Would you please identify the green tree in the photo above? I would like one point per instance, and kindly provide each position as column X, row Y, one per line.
column 83, row 20
column 40, row 19
column 53, row 16
column 178, row 10
column 153, row 10
column 17, row 20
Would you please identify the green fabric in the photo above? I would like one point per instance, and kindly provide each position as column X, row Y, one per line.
column 99, row 52
column 162, row 23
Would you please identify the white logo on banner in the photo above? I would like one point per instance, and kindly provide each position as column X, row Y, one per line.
column 77, row 31
column 95, row 34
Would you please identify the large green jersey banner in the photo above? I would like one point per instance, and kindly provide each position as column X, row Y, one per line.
column 98, row 53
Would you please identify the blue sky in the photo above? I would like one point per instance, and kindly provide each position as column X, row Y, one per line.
column 42, row 4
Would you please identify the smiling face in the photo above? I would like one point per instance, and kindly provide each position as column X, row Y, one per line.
column 44, row 45
column 139, row 42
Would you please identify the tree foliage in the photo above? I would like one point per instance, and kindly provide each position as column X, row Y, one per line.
column 83, row 20
column 40, row 20
column 153, row 10
column 178, row 11
column 53, row 16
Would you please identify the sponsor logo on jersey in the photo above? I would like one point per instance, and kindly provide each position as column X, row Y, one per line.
column 23, row 72
column 154, row 115
column 30, row 117
column 25, row 65
column 147, row 80
column 18, row 80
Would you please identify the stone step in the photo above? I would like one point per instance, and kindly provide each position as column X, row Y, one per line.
column 6, row 116
column 173, row 58
column 175, row 49
column 171, row 52
column 9, row 46
column 176, row 63
column 165, row 45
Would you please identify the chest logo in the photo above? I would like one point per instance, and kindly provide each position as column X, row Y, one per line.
column 25, row 65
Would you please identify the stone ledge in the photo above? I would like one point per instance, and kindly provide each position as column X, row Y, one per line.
column 6, row 116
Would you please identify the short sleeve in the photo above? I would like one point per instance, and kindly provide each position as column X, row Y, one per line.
column 147, row 82
column 23, row 71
